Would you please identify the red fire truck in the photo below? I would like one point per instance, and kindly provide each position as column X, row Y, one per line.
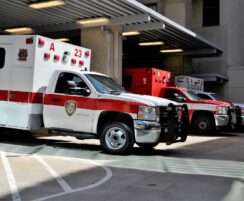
column 204, row 115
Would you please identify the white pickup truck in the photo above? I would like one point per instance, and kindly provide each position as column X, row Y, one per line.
column 47, row 84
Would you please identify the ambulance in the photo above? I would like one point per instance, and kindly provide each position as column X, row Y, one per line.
column 46, row 84
column 205, row 116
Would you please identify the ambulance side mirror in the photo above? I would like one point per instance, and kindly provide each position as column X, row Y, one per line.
column 180, row 99
column 85, row 91
column 79, row 91
column 75, row 90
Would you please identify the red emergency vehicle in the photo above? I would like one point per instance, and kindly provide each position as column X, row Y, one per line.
column 204, row 115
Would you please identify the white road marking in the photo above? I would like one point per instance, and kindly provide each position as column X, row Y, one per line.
column 10, row 177
column 59, row 179
column 100, row 182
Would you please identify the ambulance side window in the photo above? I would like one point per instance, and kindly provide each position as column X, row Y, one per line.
column 69, row 83
column 172, row 94
column 2, row 57
column 204, row 96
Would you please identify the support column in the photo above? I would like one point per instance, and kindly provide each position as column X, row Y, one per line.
column 106, row 46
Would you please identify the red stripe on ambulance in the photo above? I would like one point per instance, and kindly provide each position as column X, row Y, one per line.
column 3, row 95
column 92, row 103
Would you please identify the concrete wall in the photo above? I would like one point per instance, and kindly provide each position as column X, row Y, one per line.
column 235, row 87
column 229, row 37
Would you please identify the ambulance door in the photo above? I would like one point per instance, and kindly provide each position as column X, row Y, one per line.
column 66, row 107
column 5, row 55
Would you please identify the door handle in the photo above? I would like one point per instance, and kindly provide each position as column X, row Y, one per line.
column 56, row 99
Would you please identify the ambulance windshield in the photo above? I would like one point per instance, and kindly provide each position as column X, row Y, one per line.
column 104, row 84
column 217, row 97
column 191, row 94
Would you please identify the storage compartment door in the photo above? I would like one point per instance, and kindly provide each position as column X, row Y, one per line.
column 5, row 59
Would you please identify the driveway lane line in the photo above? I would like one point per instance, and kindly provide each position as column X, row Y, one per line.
column 108, row 175
column 10, row 177
column 59, row 179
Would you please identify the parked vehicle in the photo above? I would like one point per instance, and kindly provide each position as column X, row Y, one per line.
column 47, row 84
column 205, row 116
column 214, row 96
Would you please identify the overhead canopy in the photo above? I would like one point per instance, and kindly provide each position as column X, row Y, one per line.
column 212, row 77
column 133, row 15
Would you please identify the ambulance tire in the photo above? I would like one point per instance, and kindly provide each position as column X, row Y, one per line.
column 204, row 124
column 117, row 138
column 147, row 146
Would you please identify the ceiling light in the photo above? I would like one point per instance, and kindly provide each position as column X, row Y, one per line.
column 94, row 22
column 62, row 39
column 46, row 4
column 171, row 51
column 151, row 43
column 131, row 33
column 20, row 30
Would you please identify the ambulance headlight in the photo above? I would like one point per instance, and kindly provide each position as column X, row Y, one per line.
column 148, row 113
column 221, row 110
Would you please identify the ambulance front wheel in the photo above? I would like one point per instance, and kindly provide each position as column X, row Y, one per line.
column 117, row 138
column 204, row 124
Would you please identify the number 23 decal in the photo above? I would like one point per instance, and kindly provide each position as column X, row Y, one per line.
column 78, row 53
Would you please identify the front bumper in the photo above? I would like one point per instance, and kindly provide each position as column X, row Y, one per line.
column 221, row 120
column 173, row 126
column 236, row 120
column 147, row 131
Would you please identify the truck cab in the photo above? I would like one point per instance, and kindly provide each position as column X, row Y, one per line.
column 213, row 96
column 204, row 115
column 92, row 105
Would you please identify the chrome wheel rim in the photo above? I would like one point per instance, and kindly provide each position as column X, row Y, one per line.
column 203, row 125
column 115, row 138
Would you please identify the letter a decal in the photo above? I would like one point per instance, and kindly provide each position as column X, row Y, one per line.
column 52, row 47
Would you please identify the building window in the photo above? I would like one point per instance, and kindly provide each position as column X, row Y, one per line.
column 210, row 13
column 2, row 57
column 153, row 6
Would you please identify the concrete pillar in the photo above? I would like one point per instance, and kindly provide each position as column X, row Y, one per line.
column 106, row 46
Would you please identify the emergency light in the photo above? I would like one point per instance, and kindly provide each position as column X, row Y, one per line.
column 81, row 63
column 29, row 40
column 41, row 42
column 46, row 56
column 73, row 61
column 56, row 57
column 87, row 53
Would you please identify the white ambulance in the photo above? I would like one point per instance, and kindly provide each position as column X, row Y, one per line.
column 47, row 84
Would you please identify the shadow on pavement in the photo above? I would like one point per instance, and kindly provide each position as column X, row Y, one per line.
column 228, row 147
